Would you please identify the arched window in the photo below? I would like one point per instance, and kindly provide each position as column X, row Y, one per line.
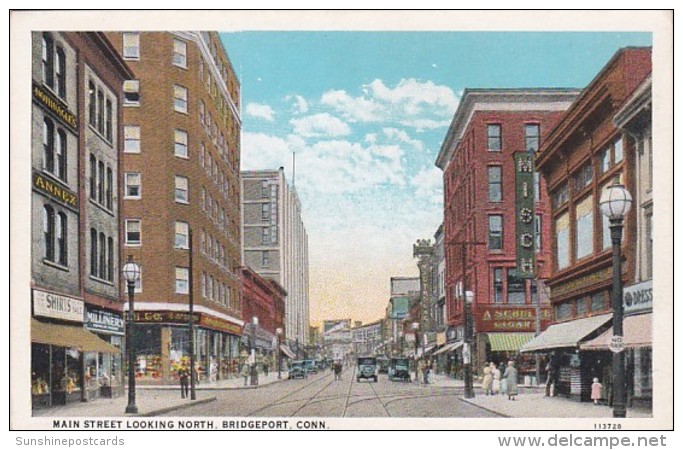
column 48, row 60
column 93, row 252
column 61, row 233
column 100, row 112
column 61, row 73
column 48, row 145
column 103, row 256
column 93, row 177
column 92, row 106
column 60, row 150
column 100, row 182
column 49, row 232
column 110, row 188
column 110, row 259
column 109, row 118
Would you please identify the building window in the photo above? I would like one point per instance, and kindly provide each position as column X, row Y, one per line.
column 495, row 232
column 49, row 232
column 494, row 138
column 100, row 182
column 182, row 275
column 180, row 99
column 265, row 211
column 109, row 118
column 583, row 306
column 61, row 235
column 203, row 284
column 202, row 154
column 103, row 257
column 562, row 240
column 110, row 259
column 598, row 302
column 180, row 148
column 179, row 53
column 131, row 93
column 618, row 151
column 495, row 184
column 182, row 231
column 131, row 139
column 110, row 189
column 532, row 137
column 48, row 60
column 181, row 188
column 93, row 252
column 583, row 177
column 48, row 145
column 498, row 285
column 560, row 196
column 516, row 288
column 100, row 112
column 265, row 259
column 92, row 104
column 138, row 281
column 133, row 187
column 537, row 187
column 61, row 73
column 93, row 177
column 538, row 229
column 584, row 228
column 563, row 311
column 131, row 45
column 265, row 236
column 612, row 155
column 202, row 112
column 60, row 150
column 133, row 232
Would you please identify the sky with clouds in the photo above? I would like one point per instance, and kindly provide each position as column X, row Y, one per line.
column 366, row 113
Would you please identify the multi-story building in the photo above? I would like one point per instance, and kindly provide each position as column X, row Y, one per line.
column 275, row 243
column 181, row 199
column 77, row 324
column 493, row 133
column 337, row 338
column 405, row 293
column 603, row 137
column 367, row 339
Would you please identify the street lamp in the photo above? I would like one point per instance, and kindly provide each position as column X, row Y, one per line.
column 466, row 352
column 415, row 326
column 278, row 331
column 131, row 272
column 252, row 344
column 615, row 203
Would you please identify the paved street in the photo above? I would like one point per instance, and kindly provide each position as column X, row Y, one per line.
column 321, row 396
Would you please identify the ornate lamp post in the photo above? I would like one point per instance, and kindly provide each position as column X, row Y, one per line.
column 416, row 326
column 131, row 272
column 252, row 344
column 615, row 203
column 278, row 331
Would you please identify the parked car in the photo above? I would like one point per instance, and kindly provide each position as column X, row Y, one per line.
column 310, row 366
column 366, row 368
column 399, row 369
column 297, row 370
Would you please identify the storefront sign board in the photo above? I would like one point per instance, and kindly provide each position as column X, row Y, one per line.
column 56, row 306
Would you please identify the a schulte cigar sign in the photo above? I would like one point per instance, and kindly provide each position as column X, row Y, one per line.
column 498, row 318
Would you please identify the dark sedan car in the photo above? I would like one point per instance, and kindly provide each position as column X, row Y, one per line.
column 297, row 370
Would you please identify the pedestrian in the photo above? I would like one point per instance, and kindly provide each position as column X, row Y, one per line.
column 488, row 380
column 503, row 381
column 184, row 376
column 495, row 387
column 265, row 369
column 245, row 372
column 337, row 370
column 551, row 380
column 511, row 377
column 596, row 391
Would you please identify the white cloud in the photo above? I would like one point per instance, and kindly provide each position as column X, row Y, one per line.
column 260, row 111
column 428, row 184
column 413, row 103
column 402, row 136
column 320, row 125
column 300, row 105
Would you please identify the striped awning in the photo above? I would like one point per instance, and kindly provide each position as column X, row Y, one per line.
column 449, row 347
column 508, row 342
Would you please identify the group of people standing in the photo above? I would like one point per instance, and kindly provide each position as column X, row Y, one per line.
column 500, row 379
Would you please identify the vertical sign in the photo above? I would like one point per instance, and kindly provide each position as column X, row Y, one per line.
column 525, row 213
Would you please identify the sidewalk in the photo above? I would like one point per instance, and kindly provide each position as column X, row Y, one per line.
column 152, row 400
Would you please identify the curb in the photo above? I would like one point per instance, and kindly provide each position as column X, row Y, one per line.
column 169, row 387
column 177, row 407
column 484, row 408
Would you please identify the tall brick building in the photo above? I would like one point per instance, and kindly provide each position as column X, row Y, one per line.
column 180, row 185
column 480, row 181
column 77, row 320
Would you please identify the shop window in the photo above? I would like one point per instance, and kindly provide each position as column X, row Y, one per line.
column 497, row 285
column 495, row 183
column 148, row 350
column 133, row 232
column 180, row 148
column 532, row 137
column 494, row 138
column 133, row 185
column 40, row 371
column 179, row 53
column 180, row 99
column 516, row 288
column 182, row 231
column 182, row 275
column 131, row 93
column 584, row 228
column 131, row 45
column 495, row 232
column 562, row 241
column 181, row 189
column 49, row 232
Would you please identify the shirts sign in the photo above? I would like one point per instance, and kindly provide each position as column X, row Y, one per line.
column 56, row 306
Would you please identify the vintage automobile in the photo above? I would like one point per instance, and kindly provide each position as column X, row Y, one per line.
column 297, row 370
column 366, row 368
column 311, row 366
column 383, row 363
column 399, row 369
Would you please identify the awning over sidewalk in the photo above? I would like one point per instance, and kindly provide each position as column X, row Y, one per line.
column 427, row 350
column 72, row 336
column 508, row 342
column 449, row 347
column 567, row 334
column 637, row 334
column 287, row 351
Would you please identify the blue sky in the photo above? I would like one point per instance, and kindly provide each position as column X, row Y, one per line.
column 366, row 113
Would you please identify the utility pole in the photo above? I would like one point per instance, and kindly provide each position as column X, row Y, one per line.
column 193, row 381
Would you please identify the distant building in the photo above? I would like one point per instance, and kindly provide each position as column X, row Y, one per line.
column 275, row 244
column 367, row 339
column 337, row 338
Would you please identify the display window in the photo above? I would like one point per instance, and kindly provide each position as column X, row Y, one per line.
column 148, row 352
column 40, row 369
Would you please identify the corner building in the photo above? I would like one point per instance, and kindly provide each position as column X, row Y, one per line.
column 77, row 320
column 180, row 194
column 481, row 233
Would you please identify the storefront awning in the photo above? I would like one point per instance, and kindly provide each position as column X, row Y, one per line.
column 508, row 342
column 427, row 350
column 637, row 333
column 449, row 347
column 567, row 334
column 287, row 352
column 69, row 336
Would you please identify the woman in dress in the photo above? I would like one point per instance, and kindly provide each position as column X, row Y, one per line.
column 488, row 380
column 511, row 377
column 495, row 387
